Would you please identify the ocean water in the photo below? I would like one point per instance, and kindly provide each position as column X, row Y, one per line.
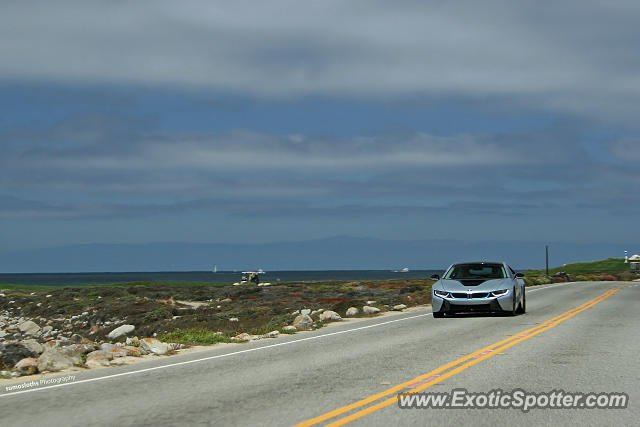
column 76, row 279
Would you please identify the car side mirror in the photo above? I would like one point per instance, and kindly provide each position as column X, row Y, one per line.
column 519, row 275
column 435, row 277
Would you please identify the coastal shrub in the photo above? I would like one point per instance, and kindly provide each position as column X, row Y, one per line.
column 158, row 314
column 275, row 323
column 627, row 275
column 194, row 336
column 536, row 280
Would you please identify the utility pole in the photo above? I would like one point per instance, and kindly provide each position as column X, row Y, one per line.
column 546, row 247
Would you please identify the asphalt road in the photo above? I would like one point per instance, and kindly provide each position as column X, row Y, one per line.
column 296, row 378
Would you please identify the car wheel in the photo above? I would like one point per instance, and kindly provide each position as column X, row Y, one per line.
column 438, row 314
column 523, row 305
column 514, row 308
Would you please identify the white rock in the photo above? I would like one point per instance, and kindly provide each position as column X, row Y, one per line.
column 295, row 313
column 33, row 345
column 107, row 346
column 2, row 333
column 370, row 310
column 234, row 319
column 273, row 334
column 243, row 336
column 120, row 331
column 53, row 361
column 318, row 311
column 306, row 311
column 100, row 353
column 303, row 321
column 98, row 358
column 399, row 307
column 154, row 346
column 29, row 327
column 27, row 365
column 51, row 345
column 289, row 328
column 371, row 302
column 329, row 315
column 352, row 311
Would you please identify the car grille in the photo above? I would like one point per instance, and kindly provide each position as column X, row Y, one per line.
column 473, row 295
column 480, row 295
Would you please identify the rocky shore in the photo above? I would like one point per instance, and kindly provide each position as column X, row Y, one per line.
column 92, row 327
column 26, row 348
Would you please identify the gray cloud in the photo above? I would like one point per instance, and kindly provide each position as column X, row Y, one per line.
column 102, row 169
column 570, row 56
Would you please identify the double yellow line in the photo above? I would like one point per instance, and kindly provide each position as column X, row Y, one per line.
column 453, row 368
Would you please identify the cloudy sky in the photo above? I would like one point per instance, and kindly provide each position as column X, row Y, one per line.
column 207, row 121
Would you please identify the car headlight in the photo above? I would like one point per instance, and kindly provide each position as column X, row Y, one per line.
column 500, row 292
column 441, row 294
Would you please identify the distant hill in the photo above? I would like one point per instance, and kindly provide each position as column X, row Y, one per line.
column 337, row 253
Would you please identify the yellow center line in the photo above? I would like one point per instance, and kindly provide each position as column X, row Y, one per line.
column 478, row 355
column 463, row 367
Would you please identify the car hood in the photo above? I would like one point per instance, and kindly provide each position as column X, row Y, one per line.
column 488, row 285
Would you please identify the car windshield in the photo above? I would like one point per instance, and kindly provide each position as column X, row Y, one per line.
column 476, row 271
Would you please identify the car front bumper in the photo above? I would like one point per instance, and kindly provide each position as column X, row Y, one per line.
column 501, row 303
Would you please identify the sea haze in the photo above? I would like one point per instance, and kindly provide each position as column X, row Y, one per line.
column 79, row 279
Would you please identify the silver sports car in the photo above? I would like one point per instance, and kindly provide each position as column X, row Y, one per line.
column 479, row 286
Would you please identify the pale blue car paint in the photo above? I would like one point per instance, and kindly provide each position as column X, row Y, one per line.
column 474, row 297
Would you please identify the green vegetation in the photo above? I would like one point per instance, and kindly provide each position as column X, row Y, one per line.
column 158, row 314
column 610, row 265
column 195, row 336
column 606, row 266
column 607, row 269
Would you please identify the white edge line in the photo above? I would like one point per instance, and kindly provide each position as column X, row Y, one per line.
column 249, row 350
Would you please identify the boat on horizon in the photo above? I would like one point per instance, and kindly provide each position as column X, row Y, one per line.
column 403, row 270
